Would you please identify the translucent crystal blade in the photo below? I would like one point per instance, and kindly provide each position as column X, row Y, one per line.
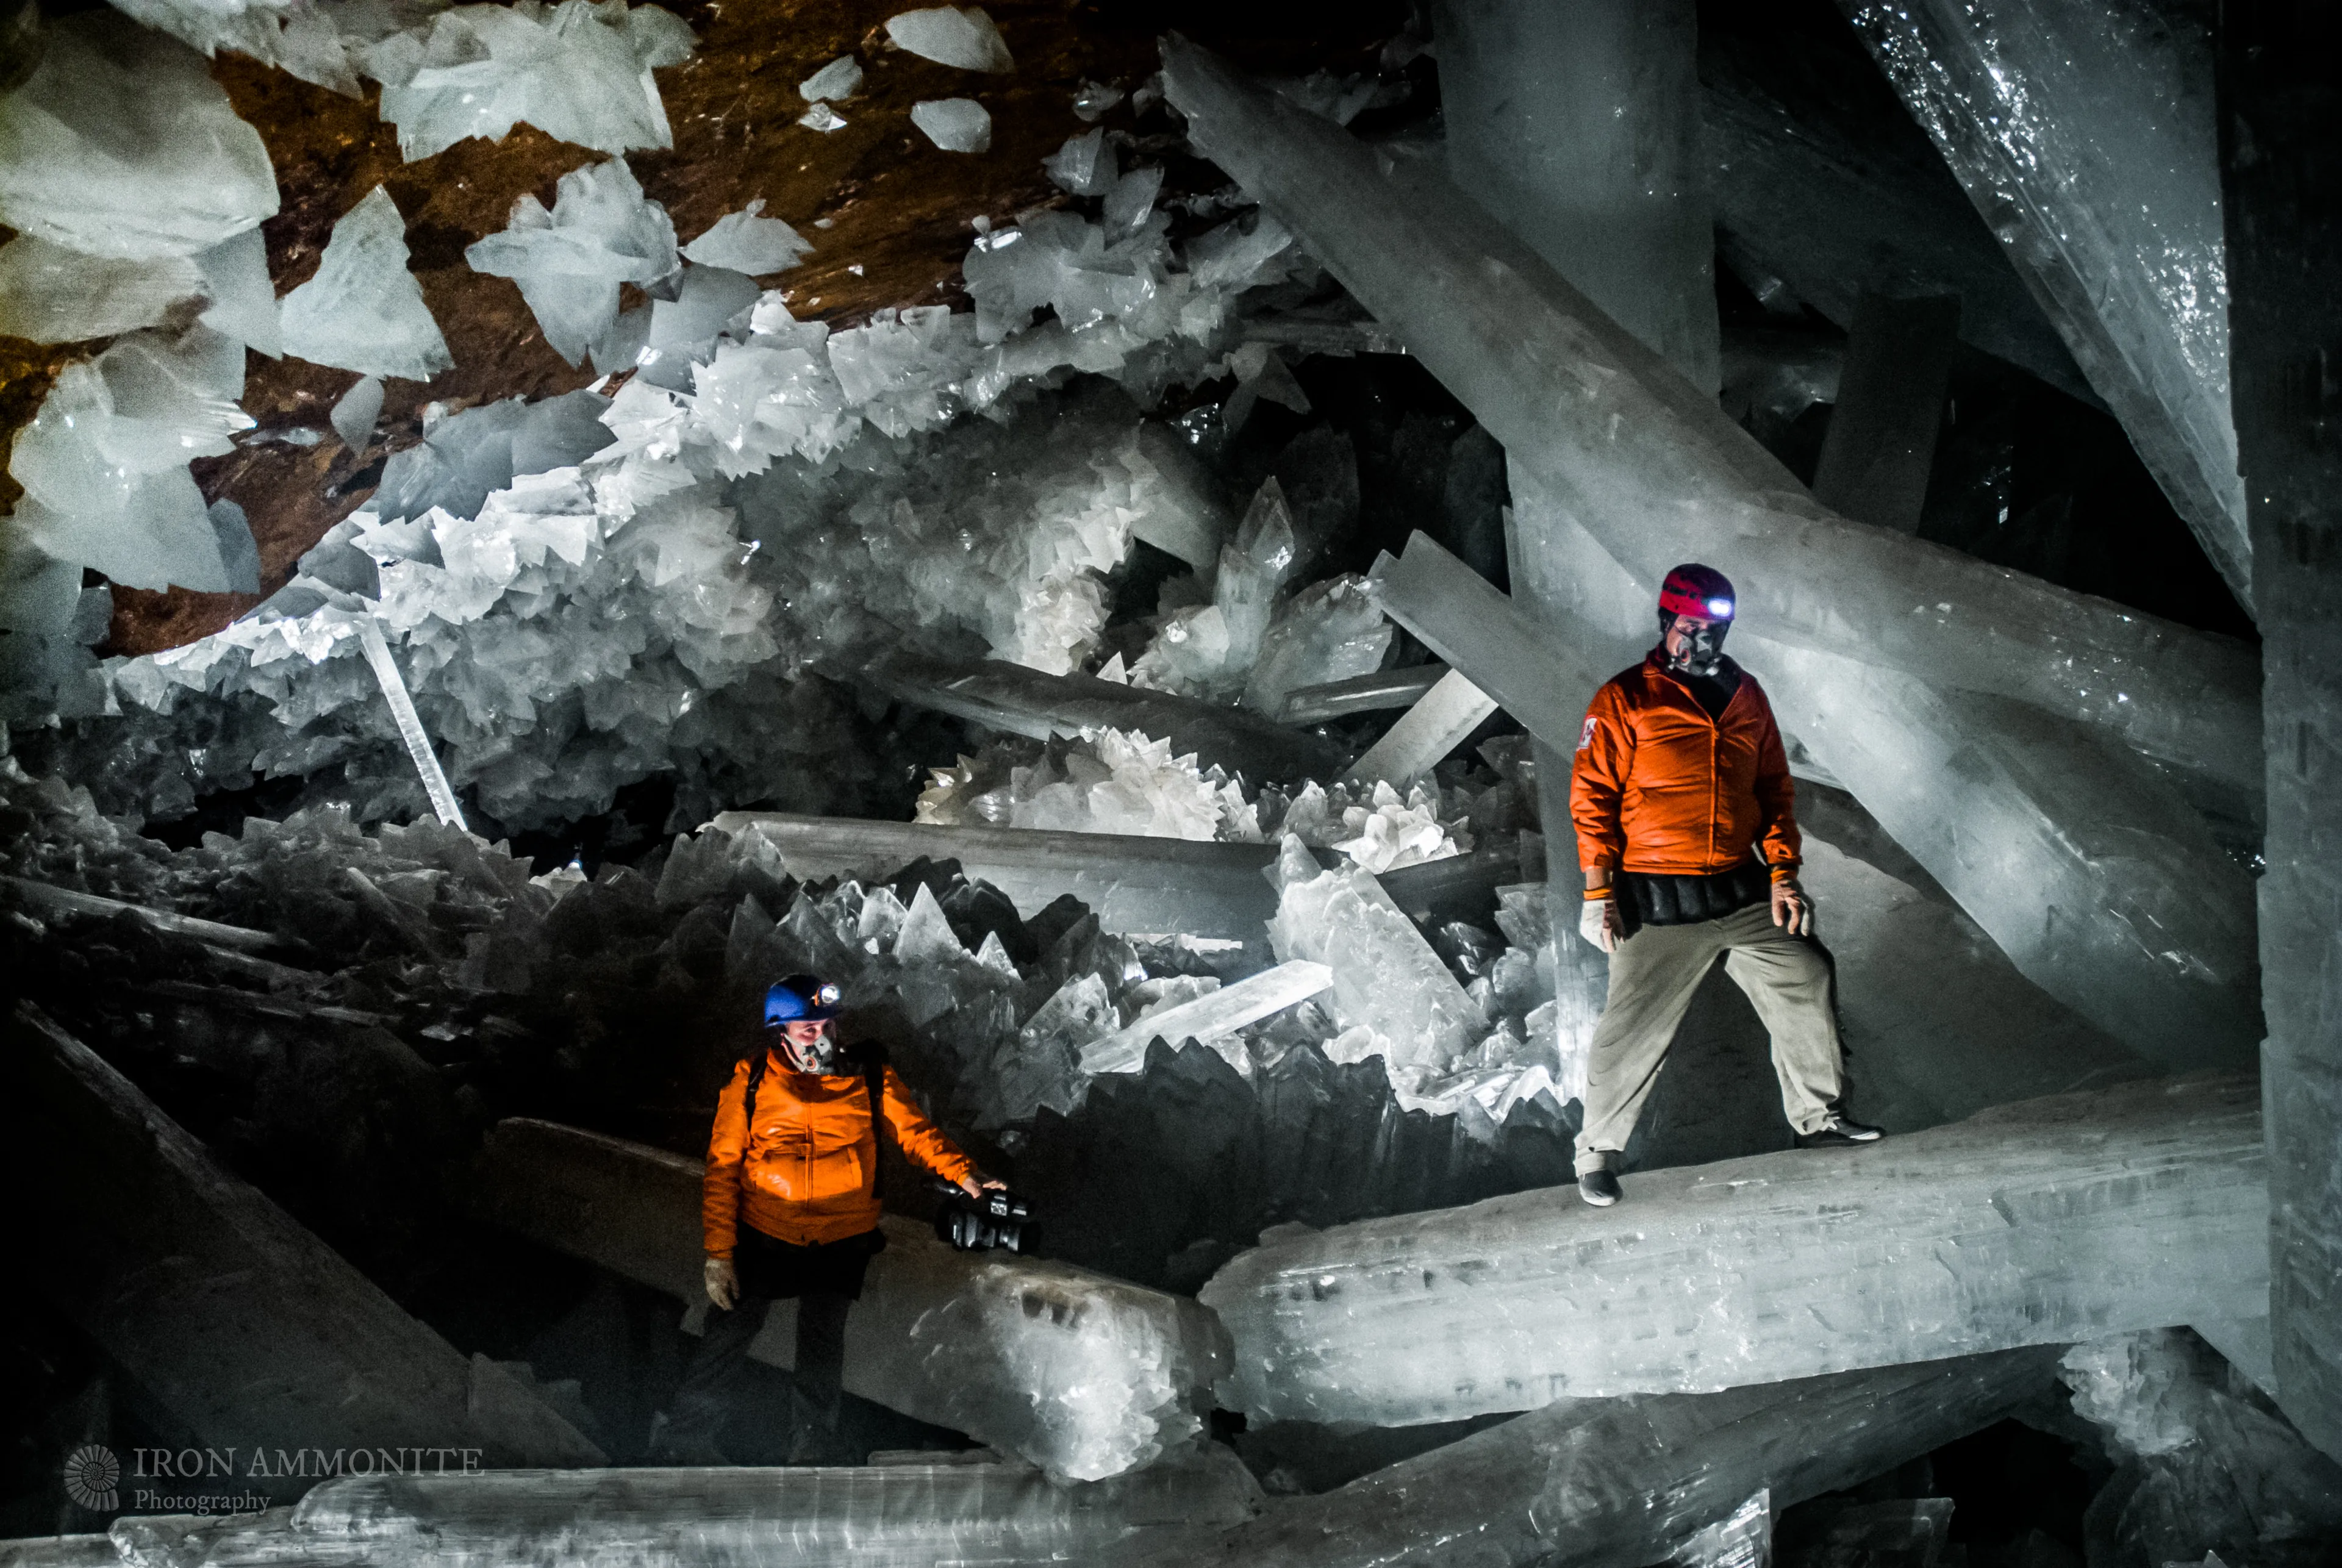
column 410, row 723
column 2027, row 1224
column 1427, row 733
column 1208, row 1016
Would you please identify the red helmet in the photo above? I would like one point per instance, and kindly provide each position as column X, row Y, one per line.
column 1701, row 591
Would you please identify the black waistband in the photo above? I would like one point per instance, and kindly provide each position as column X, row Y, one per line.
column 1655, row 898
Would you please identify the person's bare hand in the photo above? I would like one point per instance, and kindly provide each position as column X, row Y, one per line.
column 1793, row 912
column 723, row 1282
column 977, row 1186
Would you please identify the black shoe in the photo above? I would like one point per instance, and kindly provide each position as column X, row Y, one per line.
column 669, row 1447
column 1838, row 1133
column 1599, row 1188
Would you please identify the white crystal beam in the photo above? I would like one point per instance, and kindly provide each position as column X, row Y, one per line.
column 410, row 723
column 906, row 1515
column 1660, row 473
column 1208, row 1016
column 1083, row 1376
column 1594, row 1483
column 1427, row 733
column 1361, row 694
column 2083, row 132
column 2035, row 1224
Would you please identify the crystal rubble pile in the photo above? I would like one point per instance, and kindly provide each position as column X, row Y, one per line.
column 1596, row 1483
column 2089, row 144
column 2032, row 681
column 906, row 1512
column 2027, row 1224
column 243, row 1325
column 2203, row 1464
column 580, row 602
column 1085, row 1377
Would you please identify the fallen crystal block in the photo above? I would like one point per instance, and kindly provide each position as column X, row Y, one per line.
column 1027, row 703
column 51, row 294
column 2032, row 1224
column 841, row 78
column 2090, row 146
column 120, row 144
column 748, row 243
column 1427, row 733
column 570, row 262
column 964, row 37
column 580, row 72
column 1131, row 885
column 1085, row 1377
column 1660, row 474
column 363, row 310
column 914, row 1511
column 1393, row 997
column 1209, row 1016
column 1594, row 1483
column 239, row 1323
column 955, row 125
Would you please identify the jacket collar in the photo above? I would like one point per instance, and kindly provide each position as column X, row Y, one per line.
column 1655, row 661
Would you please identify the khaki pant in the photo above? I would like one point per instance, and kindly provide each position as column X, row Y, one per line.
column 1652, row 978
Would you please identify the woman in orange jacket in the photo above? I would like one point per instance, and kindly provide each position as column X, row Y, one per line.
column 789, row 1208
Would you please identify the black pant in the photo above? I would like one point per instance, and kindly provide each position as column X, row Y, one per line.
column 825, row 1279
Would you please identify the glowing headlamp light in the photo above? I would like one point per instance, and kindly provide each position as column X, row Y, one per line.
column 1719, row 608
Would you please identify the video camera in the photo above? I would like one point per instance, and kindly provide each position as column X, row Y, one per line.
column 994, row 1218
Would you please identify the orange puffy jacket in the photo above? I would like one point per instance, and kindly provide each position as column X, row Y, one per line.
column 808, row 1172
column 1659, row 786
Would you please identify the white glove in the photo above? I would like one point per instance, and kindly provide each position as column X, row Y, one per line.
column 1597, row 921
column 723, row 1282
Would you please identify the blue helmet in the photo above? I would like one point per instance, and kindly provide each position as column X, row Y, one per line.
column 800, row 998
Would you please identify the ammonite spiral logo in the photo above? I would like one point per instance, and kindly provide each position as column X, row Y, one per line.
column 91, row 1474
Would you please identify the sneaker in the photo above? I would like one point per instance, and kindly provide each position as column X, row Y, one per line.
column 1599, row 1188
column 1840, row 1132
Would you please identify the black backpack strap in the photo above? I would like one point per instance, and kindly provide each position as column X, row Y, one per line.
column 749, row 1101
column 873, row 1079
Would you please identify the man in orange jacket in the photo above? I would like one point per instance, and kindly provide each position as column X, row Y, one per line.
column 1686, row 832
column 789, row 1207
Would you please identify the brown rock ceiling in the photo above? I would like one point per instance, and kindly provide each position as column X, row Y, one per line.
column 899, row 209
